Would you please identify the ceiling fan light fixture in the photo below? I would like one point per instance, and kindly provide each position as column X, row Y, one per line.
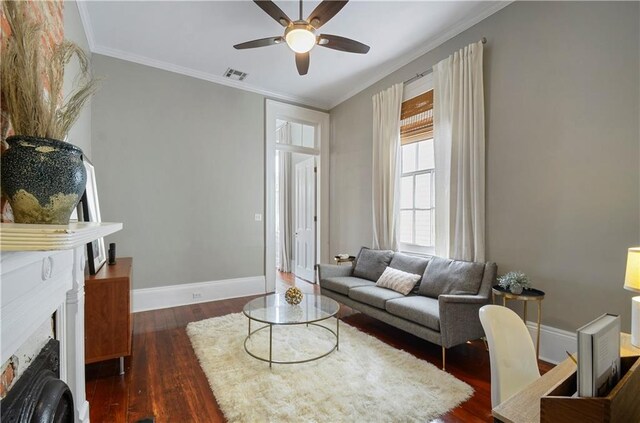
column 300, row 35
column 300, row 38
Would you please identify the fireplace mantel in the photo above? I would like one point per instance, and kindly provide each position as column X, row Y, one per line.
column 42, row 270
column 23, row 237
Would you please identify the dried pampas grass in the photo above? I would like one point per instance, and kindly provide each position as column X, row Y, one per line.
column 31, row 83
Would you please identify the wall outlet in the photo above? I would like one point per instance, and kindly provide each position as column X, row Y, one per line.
column 197, row 295
column 258, row 217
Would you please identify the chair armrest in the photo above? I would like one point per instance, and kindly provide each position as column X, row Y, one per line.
column 459, row 318
column 333, row 270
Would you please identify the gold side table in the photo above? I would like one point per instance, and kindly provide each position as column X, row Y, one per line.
column 526, row 296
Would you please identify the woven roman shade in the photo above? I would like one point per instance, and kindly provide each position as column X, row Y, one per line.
column 416, row 118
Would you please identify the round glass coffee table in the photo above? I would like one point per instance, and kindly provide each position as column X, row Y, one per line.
column 274, row 310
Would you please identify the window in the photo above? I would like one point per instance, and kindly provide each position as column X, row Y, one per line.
column 417, row 173
column 417, row 195
column 297, row 134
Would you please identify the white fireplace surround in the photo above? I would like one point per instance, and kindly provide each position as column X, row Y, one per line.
column 42, row 273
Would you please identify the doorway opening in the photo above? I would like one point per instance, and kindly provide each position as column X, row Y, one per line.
column 295, row 217
column 296, row 212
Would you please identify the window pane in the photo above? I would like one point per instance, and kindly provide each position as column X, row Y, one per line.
column 296, row 133
column 406, row 192
column 282, row 133
column 425, row 155
column 423, row 228
column 409, row 158
column 423, row 191
column 406, row 226
column 308, row 136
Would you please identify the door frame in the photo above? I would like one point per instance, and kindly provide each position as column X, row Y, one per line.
column 320, row 120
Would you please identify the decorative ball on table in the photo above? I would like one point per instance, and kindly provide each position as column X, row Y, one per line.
column 515, row 282
column 293, row 295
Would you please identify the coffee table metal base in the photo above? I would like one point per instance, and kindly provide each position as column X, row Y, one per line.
column 271, row 361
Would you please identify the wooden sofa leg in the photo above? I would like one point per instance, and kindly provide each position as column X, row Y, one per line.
column 444, row 350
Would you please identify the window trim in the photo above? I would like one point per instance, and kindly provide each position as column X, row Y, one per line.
column 417, row 87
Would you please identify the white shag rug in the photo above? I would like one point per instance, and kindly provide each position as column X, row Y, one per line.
column 365, row 381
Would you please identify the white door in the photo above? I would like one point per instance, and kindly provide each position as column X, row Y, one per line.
column 305, row 225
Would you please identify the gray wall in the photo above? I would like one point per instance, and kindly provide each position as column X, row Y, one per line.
column 563, row 149
column 80, row 133
column 180, row 162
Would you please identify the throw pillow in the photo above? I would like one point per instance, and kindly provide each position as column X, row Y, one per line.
column 445, row 276
column 398, row 280
column 371, row 263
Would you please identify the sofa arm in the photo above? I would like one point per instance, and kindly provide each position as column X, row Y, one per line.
column 459, row 318
column 463, row 299
column 333, row 270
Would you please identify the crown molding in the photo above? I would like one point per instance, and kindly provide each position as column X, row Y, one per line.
column 86, row 23
column 460, row 27
column 382, row 73
column 159, row 64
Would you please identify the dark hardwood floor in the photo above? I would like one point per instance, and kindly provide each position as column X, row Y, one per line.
column 164, row 381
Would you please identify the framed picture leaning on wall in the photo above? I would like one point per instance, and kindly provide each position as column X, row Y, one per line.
column 90, row 212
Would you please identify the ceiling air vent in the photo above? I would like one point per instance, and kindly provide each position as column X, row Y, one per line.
column 235, row 74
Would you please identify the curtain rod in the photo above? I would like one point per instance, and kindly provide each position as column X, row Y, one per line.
column 428, row 71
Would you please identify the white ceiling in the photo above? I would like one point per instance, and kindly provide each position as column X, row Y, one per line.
column 197, row 38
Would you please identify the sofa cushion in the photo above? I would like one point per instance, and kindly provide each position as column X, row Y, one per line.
column 421, row 310
column 410, row 264
column 342, row 284
column 373, row 295
column 445, row 276
column 371, row 263
column 397, row 280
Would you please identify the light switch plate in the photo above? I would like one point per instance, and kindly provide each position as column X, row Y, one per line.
column 258, row 217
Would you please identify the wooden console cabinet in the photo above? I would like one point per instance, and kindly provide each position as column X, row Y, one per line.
column 107, row 318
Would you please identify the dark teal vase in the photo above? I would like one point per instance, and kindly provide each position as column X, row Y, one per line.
column 43, row 179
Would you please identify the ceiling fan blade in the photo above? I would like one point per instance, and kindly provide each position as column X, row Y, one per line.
column 302, row 63
column 263, row 42
column 325, row 11
column 343, row 44
column 274, row 11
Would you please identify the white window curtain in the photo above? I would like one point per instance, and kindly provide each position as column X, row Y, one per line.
column 386, row 166
column 285, row 218
column 458, row 110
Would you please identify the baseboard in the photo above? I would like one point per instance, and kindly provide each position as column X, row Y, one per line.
column 553, row 342
column 193, row 293
column 83, row 412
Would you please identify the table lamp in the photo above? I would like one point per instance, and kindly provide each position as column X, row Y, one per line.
column 632, row 283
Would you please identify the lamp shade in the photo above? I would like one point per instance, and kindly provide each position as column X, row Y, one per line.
column 632, row 276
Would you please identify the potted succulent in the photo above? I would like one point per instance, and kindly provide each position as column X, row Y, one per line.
column 514, row 282
column 43, row 176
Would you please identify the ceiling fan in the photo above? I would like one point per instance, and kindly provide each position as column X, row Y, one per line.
column 301, row 36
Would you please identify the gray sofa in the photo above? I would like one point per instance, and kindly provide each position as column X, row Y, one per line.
column 442, row 308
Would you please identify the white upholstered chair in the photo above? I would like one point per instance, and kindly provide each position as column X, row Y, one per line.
column 511, row 352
